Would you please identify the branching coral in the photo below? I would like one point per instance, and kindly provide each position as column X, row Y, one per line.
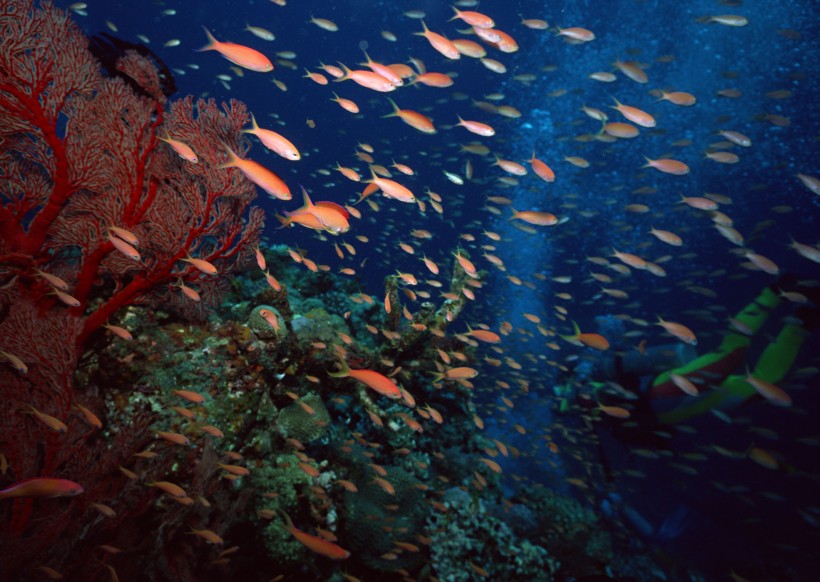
column 467, row 540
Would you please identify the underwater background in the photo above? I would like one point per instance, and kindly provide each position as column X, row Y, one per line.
column 452, row 363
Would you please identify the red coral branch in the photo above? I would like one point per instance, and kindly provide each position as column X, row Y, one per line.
column 80, row 153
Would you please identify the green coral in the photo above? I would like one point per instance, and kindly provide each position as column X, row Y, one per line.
column 285, row 482
column 295, row 422
column 571, row 531
column 318, row 325
column 262, row 328
column 468, row 533
column 372, row 509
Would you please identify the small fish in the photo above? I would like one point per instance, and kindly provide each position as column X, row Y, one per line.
column 324, row 24
column 373, row 380
column 125, row 248
column 202, row 265
column 182, row 149
column 678, row 330
column 259, row 175
column 48, row 420
column 207, row 535
column 41, row 487
column 315, row 543
column 15, row 362
column 238, row 54
column 274, row 141
column 592, row 340
column 171, row 489
column 259, row 32
column 440, row 43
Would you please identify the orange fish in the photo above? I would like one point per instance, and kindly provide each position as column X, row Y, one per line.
column 769, row 391
column 473, row 18
column 316, row 543
column 202, row 265
column 89, row 416
column 667, row 166
column 181, row 148
column 48, row 420
column 441, row 43
column 678, row 330
column 590, row 340
column 541, row 169
column 476, row 127
column 119, row 331
column 460, row 373
column 259, row 175
column 392, row 189
column 346, row 104
column 125, row 248
column 273, row 141
column 614, row 411
column 328, row 215
column 439, row 80
column 414, row 119
column 238, row 54
column 42, row 487
column 634, row 114
column 367, row 79
column 207, row 535
column 373, row 380
column 534, row 217
column 383, row 70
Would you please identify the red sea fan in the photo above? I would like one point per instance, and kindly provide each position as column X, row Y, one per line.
column 81, row 153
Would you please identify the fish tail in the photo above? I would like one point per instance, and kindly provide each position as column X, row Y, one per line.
column 231, row 163
column 345, row 371
column 437, row 377
column 395, row 112
column 254, row 125
column 423, row 32
column 344, row 77
column 212, row 42
column 288, row 522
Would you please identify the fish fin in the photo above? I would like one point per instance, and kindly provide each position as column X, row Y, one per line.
column 231, row 163
column 212, row 42
column 344, row 372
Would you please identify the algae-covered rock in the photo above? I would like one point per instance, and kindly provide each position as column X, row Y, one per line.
column 260, row 321
column 372, row 511
column 281, row 483
column 468, row 533
column 318, row 325
column 572, row 531
column 295, row 421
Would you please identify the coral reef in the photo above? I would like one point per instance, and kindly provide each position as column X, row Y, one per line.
column 305, row 420
column 98, row 214
column 470, row 544
column 376, row 519
column 268, row 324
column 573, row 533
